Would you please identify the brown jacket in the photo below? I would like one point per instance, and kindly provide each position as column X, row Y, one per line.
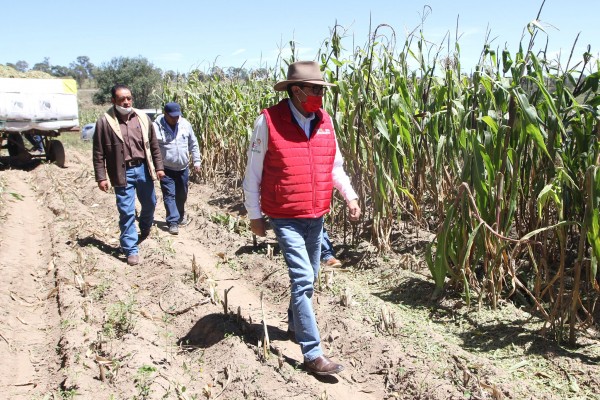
column 109, row 154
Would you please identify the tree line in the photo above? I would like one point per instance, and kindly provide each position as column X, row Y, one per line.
column 138, row 73
column 81, row 69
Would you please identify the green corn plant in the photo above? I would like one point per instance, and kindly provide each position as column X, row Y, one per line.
column 500, row 162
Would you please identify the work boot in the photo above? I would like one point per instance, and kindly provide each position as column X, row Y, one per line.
column 184, row 220
column 174, row 229
column 133, row 259
column 323, row 366
column 332, row 263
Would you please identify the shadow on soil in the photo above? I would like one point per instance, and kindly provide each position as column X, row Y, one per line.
column 411, row 292
column 7, row 163
column 352, row 257
column 504, row 335
column 211, row 329
column 232, row 203
column 114, row 251
column 475, row 336
column 261, row 247
column 349, row 256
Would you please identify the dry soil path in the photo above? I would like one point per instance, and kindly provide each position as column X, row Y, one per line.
column 29, row 316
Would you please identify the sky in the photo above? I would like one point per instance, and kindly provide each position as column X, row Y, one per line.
column 183, row 35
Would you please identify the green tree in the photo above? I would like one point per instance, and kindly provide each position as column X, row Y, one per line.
column 82, row 69
column 54, row 70
column 199, row 75
column 61, row 71
column 217, row 72
column 138, row 73
column 20, row 65
column 171, row 75
column 43, row 66
column 260, row 73
column 234, row 73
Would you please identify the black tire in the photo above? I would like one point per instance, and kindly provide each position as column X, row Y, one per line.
column 56, row 153
column 15, row 144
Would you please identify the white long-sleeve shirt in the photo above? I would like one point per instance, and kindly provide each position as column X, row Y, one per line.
column 256, row 156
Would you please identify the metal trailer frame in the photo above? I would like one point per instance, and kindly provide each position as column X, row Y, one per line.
column 54, row 150
column 44, row 107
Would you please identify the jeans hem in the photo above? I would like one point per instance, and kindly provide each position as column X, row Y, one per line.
column 309, row 359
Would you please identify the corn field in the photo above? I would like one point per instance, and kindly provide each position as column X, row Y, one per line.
column 500, row 162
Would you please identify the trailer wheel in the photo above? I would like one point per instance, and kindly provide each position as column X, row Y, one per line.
column 15, row 145
column 56, row 153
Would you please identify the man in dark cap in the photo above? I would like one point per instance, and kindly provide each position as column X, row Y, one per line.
column 293, row 164
column 176, row 140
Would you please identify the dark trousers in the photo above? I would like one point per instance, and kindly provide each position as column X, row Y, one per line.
column 174, row 187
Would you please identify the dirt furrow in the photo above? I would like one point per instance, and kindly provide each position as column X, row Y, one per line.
column 29, row 322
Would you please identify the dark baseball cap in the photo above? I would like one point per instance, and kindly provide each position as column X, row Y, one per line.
column 173, row 109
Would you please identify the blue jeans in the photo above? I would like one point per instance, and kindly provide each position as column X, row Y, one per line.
column 35, row 140
column 300, row 243
column 174, row 188
column 327, row 251
column 140, row 182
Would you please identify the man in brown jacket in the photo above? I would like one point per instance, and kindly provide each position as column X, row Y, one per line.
column 126, row 149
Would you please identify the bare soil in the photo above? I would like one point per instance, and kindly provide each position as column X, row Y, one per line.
column 77, row 321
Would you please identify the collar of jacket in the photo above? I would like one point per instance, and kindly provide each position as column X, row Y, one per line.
column 112, row 120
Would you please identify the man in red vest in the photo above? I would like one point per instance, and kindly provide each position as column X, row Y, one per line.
column 293, row 164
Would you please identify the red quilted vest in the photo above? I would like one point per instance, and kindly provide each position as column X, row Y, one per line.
column 296, row 180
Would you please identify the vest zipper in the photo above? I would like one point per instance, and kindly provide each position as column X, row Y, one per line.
column 312, row 178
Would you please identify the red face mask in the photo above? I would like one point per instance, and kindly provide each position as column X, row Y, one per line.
column 312, row 103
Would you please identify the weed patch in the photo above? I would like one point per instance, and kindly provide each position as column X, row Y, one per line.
column 119, row 319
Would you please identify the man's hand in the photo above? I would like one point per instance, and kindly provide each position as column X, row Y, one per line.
column 197, row 168
column 258, row 227
column 160, row 174
column 354, row 210
column 103, row 185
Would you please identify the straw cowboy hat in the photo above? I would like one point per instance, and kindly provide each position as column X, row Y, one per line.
column 302, row 72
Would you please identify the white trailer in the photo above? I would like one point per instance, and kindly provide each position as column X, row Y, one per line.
column 43, row 107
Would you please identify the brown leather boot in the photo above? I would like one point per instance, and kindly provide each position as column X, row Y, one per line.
column 133, row 259
column 323, row 366
column 333, row 263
